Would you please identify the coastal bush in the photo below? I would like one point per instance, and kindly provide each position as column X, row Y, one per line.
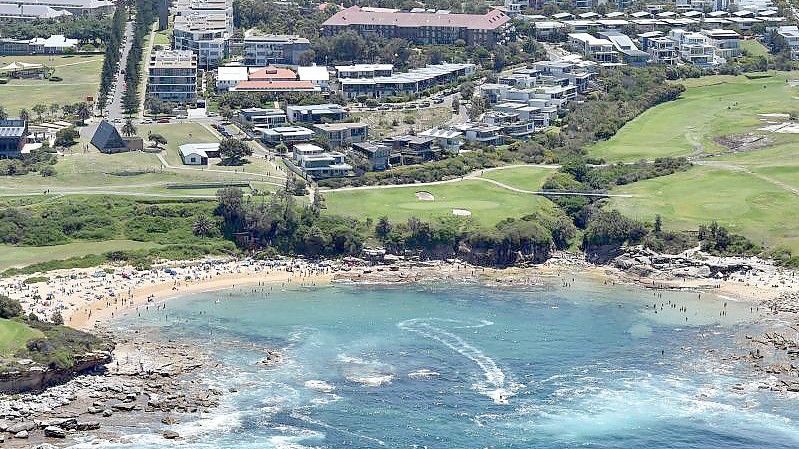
column 716, row 239
column 35, row 279
column 611, row 229
column 9, row 308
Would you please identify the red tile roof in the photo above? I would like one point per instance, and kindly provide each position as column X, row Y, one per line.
column 354, row 15
column 272, row 73
column 274, row 85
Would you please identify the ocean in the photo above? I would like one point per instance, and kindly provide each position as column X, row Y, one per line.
column 577, row 364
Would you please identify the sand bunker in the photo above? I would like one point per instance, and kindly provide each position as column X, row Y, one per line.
column 462, row 212
column 425, row 196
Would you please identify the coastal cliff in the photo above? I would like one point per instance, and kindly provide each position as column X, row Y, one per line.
column 28, row 376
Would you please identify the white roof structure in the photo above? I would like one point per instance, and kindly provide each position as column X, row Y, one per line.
column 313, row 73
column 20, row 11
column 55, row 41
column 232, row 73
column 201, row 149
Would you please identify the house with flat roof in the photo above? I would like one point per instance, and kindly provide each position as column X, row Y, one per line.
column 482, row 133
column 228, row 76
column 790, row 34
column 13, row 135
column 342, row 134
column 172, row 76
column 625, row 46
column 265, row 49
column 286, row 135
column 727, row 43
column 437, row 28
column 694, row 48
column 319, row 163
column 407, row 149
column 375, row 153
column 364, row 70
column 198, row 153
column 317, row 74
column 592, row 47
column 263, row 118
column 315, row 113
column 448, row 140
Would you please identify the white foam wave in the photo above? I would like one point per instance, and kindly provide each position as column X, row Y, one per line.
column 325, row 425
column 319, row 385
column 423, row 374
column 372, row 381
column 496, row 385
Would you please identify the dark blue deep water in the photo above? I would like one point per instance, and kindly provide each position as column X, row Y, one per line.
column 589, row 366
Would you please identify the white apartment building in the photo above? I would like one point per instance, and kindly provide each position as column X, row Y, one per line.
column 172, row 76
column 726, row 42
column 693, row 48
column 204, row 27
column 266, row 49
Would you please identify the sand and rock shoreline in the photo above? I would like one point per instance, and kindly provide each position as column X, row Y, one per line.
column 156, row 382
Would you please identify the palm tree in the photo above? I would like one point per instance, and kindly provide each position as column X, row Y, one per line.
column 24, row 114
column 67, row 110
column 202, row 226
column 128, row 129
column 54, row 108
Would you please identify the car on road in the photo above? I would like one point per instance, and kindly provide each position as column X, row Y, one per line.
column 163, row 120
column 438, row 100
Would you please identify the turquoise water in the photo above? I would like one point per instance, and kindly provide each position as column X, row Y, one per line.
column 587, row 366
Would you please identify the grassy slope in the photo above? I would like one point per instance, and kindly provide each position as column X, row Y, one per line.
column 725, row 105
column 754, row 47
column 81, row 76
column 526, row 178
column 14, row 335
column 488, row 203
column 380, row 122
column 19, row 256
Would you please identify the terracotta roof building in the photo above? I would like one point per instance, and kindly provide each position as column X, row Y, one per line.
column 439, row 27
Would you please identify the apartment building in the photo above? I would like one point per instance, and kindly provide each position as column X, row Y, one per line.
column 411, row 82
column 364, row 70
column 172, row 76
column 53, row 9
column 422, row 27
column 592, row 47
column 266, row 49
column 204, row 27
column 342, row 134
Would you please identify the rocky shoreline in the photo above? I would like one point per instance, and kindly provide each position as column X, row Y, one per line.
column 149, row 383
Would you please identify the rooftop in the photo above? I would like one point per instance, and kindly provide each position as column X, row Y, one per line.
column 173, row 59
column 355, row 15
column 12, row 128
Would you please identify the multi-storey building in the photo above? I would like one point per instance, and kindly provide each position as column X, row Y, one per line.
column 13, row 134
column 315, row 113
column 204, row 27
column 693, row 48
column 318, row 163
column 172, row 76
column 421, row 27
column 364, row 70
column 790, row 34
column 411, row 82
column 342, row 134
column 599, row 49
column 726, row 43
column 265, row 49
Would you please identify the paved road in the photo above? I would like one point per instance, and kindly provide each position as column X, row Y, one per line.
column 115, row 109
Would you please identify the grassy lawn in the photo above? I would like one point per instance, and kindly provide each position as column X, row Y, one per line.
column 14, row 335
column 754, row 207
column 525, row 178
column 754, row 47
column 382, row 123
column 19, row 256
column 81, row 74
column 163, row 38
column 487, row 203
column 711, row 107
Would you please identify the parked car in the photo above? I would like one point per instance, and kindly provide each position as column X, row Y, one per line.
column 163, row 120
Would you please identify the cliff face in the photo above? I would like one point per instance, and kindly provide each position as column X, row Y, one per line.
column 37, row 377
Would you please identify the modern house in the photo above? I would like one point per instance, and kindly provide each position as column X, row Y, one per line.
column 661, row 49
column 286, row 134
column 693, row 48
column 318, row 163
column 13, row 134
column 412, row 82
column 448, row 140
column 266, row 49
column 228, row 76
column 437, row 28
column 481, row 133
column 406, row 150
column 342, row 134
column 315, row 113
column 601, row 50
column 790, row 34
column 172, row 76
column 727, row 43
column 376, row 153
column 198, row 153
column 318, row 75
column 262, row 118
column 630, row 54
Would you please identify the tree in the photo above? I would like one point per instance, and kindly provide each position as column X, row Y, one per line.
column 54, row 108
column 156, row 139
column 383, row 227
column 67, row 137
column 658, row 224
column 128, row 129
column 233, row 151
column 39, row 110
column 467, row 90
column 24, row 114
column 9, row 308
column 281, row 148
column 3, row 113
column 58, row 319
column 68, row 109
column 202, row 226
column 83, row 111
column 295, row 185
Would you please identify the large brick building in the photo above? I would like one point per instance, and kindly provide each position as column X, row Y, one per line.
column 420, row 27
